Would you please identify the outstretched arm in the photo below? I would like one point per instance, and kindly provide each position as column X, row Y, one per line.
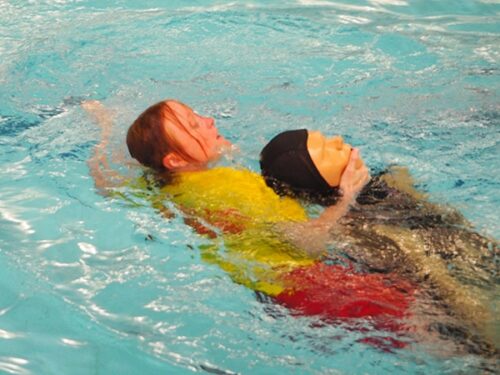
column 104, row 176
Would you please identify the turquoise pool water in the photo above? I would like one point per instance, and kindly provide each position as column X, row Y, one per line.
column 90, row 285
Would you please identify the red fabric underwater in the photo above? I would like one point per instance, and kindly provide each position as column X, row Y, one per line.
column 334, row 293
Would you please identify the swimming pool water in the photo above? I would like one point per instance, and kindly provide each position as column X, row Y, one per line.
column 91, row 285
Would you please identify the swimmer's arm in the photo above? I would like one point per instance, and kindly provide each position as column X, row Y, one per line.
column 104, row 176
column 312, row 236
column 354, row 178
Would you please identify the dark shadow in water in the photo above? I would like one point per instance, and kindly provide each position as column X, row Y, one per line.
column 215, row 370
column 11, row 126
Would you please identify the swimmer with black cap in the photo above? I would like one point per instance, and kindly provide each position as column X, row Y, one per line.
column 390, row 216
column 308, row 165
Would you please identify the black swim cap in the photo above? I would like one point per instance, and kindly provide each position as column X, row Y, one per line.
column 288, row 169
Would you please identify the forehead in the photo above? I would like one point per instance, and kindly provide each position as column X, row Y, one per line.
column 185, row 120
column 315, row 134
column 315, row 139
column 182, row 130
column 187, row 142
column 181, row 110
column 184, row 116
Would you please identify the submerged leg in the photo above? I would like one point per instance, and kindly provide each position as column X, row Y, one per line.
column 466, row 302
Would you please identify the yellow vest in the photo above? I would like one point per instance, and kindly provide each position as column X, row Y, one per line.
column 240, row 202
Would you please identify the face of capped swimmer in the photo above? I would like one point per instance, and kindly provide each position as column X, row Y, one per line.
column 196, row 136
column 329, row 155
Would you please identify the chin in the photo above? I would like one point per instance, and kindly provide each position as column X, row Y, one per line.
column 222, row 142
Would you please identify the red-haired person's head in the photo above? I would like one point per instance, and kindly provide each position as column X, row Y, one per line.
column 170, row 136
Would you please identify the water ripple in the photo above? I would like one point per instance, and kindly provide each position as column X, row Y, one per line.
column 413, row 83
column 14, row 365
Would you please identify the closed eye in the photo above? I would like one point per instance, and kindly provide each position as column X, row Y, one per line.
column 194, row 122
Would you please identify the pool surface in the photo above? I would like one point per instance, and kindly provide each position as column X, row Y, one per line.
column 92, row 285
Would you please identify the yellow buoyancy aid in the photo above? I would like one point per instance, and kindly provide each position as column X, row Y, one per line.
column 239, row 201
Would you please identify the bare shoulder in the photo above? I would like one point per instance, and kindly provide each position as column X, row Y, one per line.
column 399, row 177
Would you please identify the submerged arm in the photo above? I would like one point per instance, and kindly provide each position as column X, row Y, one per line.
column 104, row 176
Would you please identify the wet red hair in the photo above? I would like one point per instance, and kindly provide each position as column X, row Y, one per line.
column 148, row 138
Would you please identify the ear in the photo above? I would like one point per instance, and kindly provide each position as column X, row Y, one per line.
column 173, row 161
